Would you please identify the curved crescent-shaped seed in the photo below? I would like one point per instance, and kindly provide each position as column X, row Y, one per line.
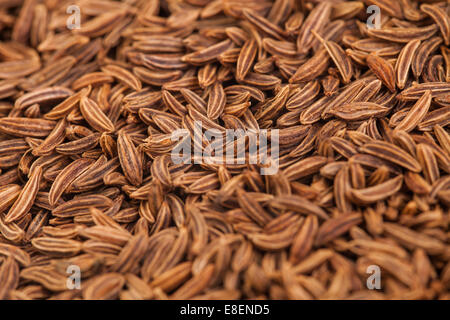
column 424, row 51
column 298, row 204
column 391, row 153
column 404, row 61
column 123, row 75
column 208, row 54
column 8, row 194
column 305, row 167
column 57, row 245
column 53, row 139
column 101, row 24
column 130, row 159
column 357, row 111
column 416, row 114
column 263, row 24
column 312, row 68
column 105, row 286
column 41, row 96
column 216, row 102
column 246, row 58
column 341, row 60
column 95, row 116
column 440, row 17
column 26, row 198
column 383, row 70
column 80, row 145
column 376, row 193
column 26, row 127
column 403, row 35
column 9, row 277
column 438, row 89
column 335, row 227
column 67, row 105
column 66, row 177
column 315, row 21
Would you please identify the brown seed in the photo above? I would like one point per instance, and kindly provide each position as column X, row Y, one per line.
column 416, row 113
column 207, row 55
column 263, row 24
column 315, row 21
column 383, row 70
column 57, row 246
column 9, row 276
column 131, row 254
column 428, row 162
column 376, row 193
column 404, row 61
column 335, row 227
column 25, row 127
column 246, row 57
column 87, row 176
column 311, row 68
column 303, row 241
column 422, row 54
column 26, row 197
column 130, row 159
column 53, row 139
column 195, row 285
column 298, row 204
column 95, row 116
column 123, row 75
column 438, row 89
column 341, row 60
column 341, row 188
column 441, row 19
column 66, row 177
column 104, row 287
column 403, row 34
column 391, row 153
column 216, row 102
column 413, row 238
column 357, row 111
column 252, row 208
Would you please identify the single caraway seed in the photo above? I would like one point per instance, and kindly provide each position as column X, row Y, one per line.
column 113, row 137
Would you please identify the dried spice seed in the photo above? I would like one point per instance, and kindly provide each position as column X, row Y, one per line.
column 87, row 176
